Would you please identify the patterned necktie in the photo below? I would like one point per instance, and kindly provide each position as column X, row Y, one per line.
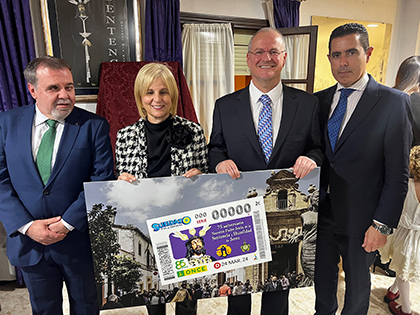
column 265, row 127
column 334, row 123
column 45, row 151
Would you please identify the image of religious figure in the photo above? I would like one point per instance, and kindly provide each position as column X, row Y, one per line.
column 196, row 252
column 308, row 238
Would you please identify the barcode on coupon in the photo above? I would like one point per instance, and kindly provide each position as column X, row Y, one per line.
column 260, row 237
column 165, row 260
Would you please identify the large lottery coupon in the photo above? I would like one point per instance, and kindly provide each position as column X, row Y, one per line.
column 210, row 240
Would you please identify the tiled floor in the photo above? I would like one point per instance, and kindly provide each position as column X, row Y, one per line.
column 15, row 301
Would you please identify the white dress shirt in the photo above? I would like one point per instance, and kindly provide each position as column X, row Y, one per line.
column 276, row 96
column 39, row 127
column 352, row 100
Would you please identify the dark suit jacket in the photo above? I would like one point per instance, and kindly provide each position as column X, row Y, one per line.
column 234, row 136
column 84, row 155
column 270, row 286
column 368, row 172
column 414, row 116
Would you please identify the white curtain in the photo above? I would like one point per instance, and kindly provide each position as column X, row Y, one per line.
column 269, row 11
column 296, row 67
column 208, row 58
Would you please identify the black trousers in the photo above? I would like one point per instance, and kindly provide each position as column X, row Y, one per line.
column 331, row 245
column 275, row 302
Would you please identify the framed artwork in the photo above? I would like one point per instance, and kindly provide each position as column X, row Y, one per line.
column 86, row 33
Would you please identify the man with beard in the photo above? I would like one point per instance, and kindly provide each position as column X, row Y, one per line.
column 196, row 253
column 47, row 151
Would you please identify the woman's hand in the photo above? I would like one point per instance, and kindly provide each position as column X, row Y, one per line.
column 127, row 177
column 192, row 172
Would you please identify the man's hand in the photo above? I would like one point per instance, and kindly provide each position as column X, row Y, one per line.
column 303, row 166
column 228, row 166
column 58, row 227
column 192, row 172
column 127, row 177
column 39, row 231
column 373, row 240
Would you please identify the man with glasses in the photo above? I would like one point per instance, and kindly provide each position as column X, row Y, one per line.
column 266, row 125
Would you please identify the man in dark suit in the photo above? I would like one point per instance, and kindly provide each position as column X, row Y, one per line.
column 239, row 141
column 47, row 151
column 274, row 285
column 366, row 141
column 266, row 125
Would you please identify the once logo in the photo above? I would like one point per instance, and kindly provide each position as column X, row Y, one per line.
column 191, row 271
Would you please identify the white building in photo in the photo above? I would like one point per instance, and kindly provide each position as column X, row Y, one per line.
column 136, row 244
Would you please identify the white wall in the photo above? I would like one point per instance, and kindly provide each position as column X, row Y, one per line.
column 238, row 8
column 406, row 36
column 365, row 10
column 404, row 15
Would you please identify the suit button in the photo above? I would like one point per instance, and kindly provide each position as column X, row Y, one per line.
column 332, row 165
column 46, row 192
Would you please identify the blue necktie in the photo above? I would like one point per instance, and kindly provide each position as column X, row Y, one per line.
column 265, row 127
column 334, row 124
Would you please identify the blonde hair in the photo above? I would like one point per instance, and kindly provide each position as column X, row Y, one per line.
column 147, row 75
column 181, row 295
column 414, row 165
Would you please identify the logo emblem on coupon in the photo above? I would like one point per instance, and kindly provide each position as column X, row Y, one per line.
column 217, row 265
column 171, row 223
column 223, row 250
column 245, row 247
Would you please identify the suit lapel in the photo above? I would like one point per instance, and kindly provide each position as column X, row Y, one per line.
column 290, row 106
column 70, row 132
column 243, row 108
column 25, row 140
column 368, row 100
column 325, row 102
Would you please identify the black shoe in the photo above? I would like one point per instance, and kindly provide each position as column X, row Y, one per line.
column 384, row 267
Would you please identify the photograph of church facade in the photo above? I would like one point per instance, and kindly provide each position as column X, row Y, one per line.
column 292, row 217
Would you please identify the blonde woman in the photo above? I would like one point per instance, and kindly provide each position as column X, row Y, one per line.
column 160, row 143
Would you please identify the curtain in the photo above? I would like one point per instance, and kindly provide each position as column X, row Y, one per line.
column 16, row 50
column 116, row 100
column 269, row 12
column 162, row 31
column 208, row 67
column 286, row 13
column 296, row 67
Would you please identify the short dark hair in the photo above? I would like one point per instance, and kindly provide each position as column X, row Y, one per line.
column 45, row 61
column 351, row 28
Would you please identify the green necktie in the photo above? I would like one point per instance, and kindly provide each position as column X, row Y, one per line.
column 45, row 151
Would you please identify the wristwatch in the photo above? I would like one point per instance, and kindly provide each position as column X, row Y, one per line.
column 383, row 229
